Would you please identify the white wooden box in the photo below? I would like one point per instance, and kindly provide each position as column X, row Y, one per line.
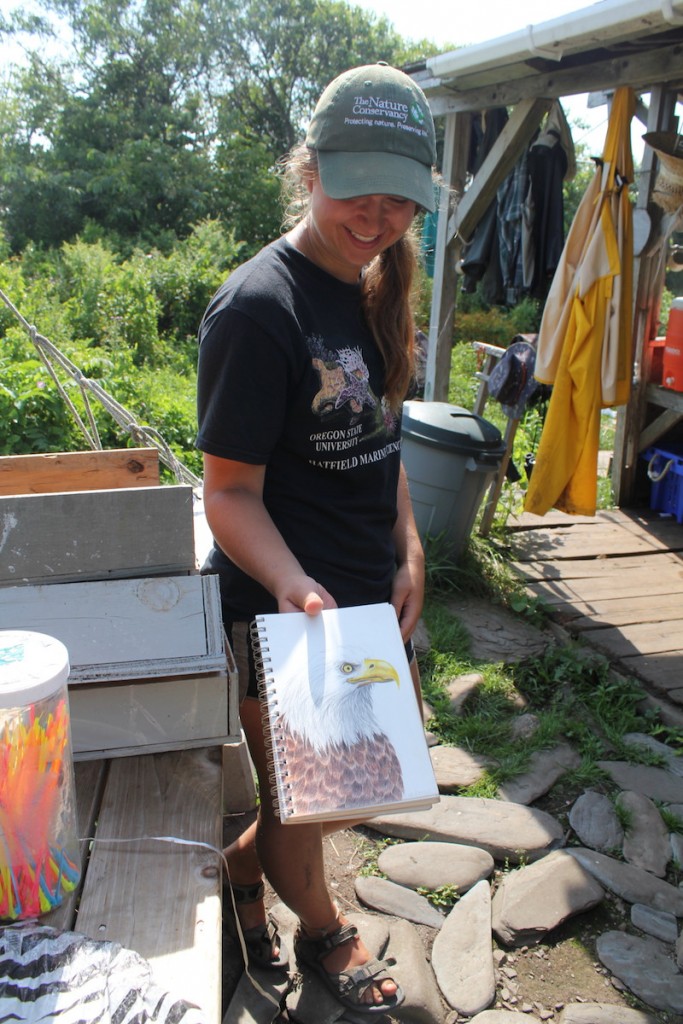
column 153, row 715
column 125, row 629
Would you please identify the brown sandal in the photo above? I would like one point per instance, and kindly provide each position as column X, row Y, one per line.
column 348, row 986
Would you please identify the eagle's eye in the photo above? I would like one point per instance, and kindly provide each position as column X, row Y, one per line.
column 347, row 667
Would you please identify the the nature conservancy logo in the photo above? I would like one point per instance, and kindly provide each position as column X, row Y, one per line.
column 376, row 112
column 371, row 105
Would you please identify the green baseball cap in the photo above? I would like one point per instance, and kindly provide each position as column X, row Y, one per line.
column 373, row 133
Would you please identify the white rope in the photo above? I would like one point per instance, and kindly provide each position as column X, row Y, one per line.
column 143, row 436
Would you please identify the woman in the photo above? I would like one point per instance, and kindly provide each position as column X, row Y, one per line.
column 306, row 354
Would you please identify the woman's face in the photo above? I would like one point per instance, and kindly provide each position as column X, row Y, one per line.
column 345, row 234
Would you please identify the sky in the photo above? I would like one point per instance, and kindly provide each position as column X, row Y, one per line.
column 464, row 22
column 450, row 23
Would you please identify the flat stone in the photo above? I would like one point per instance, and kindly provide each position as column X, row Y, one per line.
column 497, row 634
column 657, row 783
column 251, row 1005
column 433, row 865
column 646, row 842
column 545, row 768
column 602, row 1013
column 595, row 821
column 501, row 1017
column 631, row 883
column 524, row 726
column 462, row 687
column 643, row 968
column 414, row 974
column 397, row 900
column 660, row 924
column 462, row 957
column 641, row 739
column 455, row 768
column 508, row 831
column 533, row 900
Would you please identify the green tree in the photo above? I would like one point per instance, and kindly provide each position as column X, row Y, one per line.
column 165, row 112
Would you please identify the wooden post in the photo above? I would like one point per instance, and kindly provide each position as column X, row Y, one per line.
column 454, row 171
column 648, row 282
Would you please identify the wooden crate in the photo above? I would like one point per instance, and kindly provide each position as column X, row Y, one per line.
column 79, row 471
column 94, row 535
column 125, row 629
column 152, row 715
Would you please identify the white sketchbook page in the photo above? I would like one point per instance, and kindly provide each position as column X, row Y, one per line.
column 298, row 643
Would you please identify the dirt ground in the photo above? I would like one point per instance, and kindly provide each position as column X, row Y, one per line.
column 538, row 980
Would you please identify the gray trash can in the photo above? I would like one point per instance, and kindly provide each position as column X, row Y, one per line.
column 450, row 456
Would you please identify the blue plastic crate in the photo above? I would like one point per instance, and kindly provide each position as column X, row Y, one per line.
column 665, row 470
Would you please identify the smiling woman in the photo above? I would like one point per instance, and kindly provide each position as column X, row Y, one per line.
column 306, row 355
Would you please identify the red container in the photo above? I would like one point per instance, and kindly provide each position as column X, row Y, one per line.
column 672, row 360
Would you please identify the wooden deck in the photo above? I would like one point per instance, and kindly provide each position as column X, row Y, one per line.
column 161, row 899
column 614, row 580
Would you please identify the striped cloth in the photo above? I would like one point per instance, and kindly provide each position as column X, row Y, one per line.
column 55, row 977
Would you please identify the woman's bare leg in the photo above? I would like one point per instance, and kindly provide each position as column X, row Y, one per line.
column 291, row 857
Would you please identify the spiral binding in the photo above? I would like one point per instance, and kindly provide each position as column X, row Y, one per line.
column 276, row 762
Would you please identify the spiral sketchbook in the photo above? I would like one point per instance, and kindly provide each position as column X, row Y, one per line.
column 344, row 732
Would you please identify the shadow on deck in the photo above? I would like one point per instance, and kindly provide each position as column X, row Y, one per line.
column 614, row 580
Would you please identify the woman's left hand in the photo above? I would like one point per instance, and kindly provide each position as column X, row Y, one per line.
column 407, row 595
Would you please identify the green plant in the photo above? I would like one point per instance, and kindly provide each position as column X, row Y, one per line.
column 370, row 850
column 444, row 897
column 673, row 822
column 624, row 816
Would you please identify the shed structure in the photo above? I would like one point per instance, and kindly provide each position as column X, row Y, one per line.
column 612, row 43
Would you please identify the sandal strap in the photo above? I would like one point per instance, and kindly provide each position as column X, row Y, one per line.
column 358, row 979
column 248, row 893
column 327, row 943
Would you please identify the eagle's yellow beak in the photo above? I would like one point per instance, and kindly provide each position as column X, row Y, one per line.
column 375, row 670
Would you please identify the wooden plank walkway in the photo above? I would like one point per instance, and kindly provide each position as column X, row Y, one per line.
column 161, row 899
column 614, row 580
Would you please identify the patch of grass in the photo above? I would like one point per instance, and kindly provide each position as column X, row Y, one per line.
column 624, row 816
column 673, row 822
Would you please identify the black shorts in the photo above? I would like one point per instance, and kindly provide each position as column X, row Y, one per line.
column 239, row 638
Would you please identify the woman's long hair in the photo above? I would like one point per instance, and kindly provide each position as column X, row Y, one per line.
column 387, row 285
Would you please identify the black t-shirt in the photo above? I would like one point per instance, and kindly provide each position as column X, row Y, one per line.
column 289, row 377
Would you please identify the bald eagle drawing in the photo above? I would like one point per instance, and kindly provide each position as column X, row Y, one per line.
column 331, row 742
column 345, row 730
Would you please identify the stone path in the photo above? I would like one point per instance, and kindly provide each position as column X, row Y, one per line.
column 461, row 841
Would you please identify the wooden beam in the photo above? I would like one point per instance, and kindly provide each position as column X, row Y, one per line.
column 652, row 433
column 130, row 531
column 454, row 173
column 641, row 71
column 504, row 154
column 79, row 471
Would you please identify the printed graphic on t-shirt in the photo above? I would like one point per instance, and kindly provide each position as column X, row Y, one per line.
column 348, row 407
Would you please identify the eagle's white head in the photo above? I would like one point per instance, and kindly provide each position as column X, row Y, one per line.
column 330, row 702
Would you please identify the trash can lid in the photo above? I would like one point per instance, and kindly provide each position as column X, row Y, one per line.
column 450, row 426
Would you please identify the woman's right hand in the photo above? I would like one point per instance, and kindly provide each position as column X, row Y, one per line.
column 304, row 594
